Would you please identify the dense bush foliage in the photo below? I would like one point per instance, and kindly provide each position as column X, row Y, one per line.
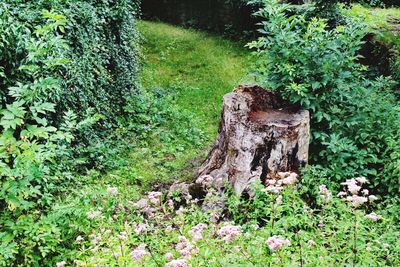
column 353, row 118
column 67, row 70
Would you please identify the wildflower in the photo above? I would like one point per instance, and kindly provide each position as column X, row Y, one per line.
column 139, row 253
column 311, row 243
column 61, row 264
column 291, row 179
column 362, row 180
column 272, row 189
column 154, row 197
column 356, row 201
column 79, row 239
column 279, row 200
column 325, row 194
column 141, row 204
column 185, row 248
column 365, row 192
column 197, row 231
column 275, row 243
column 352, row 186
column 169, row 256
column 372, row 198
column 93, row 214
column 229, row 232
column 112, row 190
column 123, row 236
column 341, row 194
column 373, row 217
column 177, row 263
column 140, row 228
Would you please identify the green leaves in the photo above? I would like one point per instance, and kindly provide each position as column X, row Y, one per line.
column 315, row 64
column 13, row 115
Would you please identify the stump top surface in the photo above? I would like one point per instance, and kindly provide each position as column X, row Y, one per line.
column 279, row 117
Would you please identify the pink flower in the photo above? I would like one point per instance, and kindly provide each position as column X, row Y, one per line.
column 341, row 194
column 365, row 192
column 373, row 217
column 177, row 263
column 323, row 189
column 185, row 248
column 169, row 256
column 197, row 231
column 112, row 190
column 154, row 197
column 272, row 189
column 275, row 243
column 139, row 253
column 140, row 228
column 229, row 232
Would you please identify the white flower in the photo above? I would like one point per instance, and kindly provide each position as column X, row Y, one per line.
column 372, row 198
column 61, row 264
column 362, row 180
column 112, row 190
column 373, row 217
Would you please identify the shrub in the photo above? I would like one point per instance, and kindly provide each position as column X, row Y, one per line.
column 352, row 117
column 67, row 70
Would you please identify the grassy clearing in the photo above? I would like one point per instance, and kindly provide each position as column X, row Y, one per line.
column 200, row 68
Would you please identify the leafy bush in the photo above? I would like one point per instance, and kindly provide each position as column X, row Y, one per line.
column 353, row 118
column 67, row 70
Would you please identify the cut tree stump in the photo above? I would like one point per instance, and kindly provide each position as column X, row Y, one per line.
column 259, row 135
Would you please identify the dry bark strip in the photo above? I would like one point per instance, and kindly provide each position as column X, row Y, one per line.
column 259, row 135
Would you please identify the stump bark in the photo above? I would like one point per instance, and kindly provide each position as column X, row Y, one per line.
column 259, row 135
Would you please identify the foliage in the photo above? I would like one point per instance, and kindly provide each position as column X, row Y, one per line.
column 113, row 228
column 51, row 104
column 352, row 117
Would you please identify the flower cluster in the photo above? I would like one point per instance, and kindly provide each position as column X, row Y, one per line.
column 154, row 197
column 139, row 253
column 197, row 231
column 112, row 191
column 185, row 248
column 276, row 243
column 357, row 196
column 325, row 194
column 229, row 232
column 282, row 180
column 93, row 214
column 373, row 217
column 177, row 263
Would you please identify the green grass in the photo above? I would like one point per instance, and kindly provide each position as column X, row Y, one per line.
column 381, row 18
column 200, row 68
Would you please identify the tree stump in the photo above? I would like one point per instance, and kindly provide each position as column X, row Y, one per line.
column 259, row 135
